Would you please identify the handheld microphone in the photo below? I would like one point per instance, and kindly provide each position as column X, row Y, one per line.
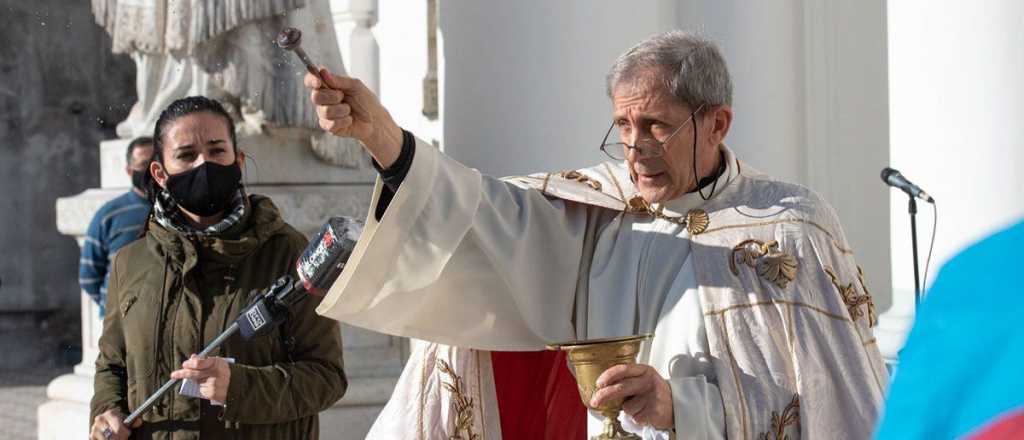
column 894, row 179
column 325, row 257
column 318, row 267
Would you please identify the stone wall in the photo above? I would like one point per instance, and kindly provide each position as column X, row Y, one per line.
column 61, row 93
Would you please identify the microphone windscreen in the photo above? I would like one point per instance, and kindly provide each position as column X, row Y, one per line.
column 325, row 256
column 886, row 172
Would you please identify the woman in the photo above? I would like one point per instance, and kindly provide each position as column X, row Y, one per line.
column 207, row 250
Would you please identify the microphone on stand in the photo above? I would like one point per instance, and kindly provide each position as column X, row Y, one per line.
column 318, row 267
column 894, row 179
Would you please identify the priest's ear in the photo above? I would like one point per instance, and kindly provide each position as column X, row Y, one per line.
column 715, row 123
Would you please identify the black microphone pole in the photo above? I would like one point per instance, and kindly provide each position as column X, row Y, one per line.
column 913, row 243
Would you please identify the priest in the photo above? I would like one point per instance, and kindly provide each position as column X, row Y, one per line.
column 761, row 317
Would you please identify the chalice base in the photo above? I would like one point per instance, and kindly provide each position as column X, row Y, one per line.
column 613, row 429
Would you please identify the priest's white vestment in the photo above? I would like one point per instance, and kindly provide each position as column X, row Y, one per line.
column 761, row 318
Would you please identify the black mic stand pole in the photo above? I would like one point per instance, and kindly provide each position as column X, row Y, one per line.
column 913, row 242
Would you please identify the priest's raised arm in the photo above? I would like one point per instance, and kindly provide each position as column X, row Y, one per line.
column 465, row 260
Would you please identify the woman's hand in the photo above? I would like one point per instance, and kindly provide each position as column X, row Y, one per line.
column 646, row 396
column 111, row 419
column 345, row 107
column 212, row 374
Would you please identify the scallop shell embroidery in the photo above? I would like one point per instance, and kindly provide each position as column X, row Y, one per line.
column 767, row 259
column 637, row 204
column 697, row 221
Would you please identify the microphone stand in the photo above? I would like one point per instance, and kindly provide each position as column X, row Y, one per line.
column 912, row 208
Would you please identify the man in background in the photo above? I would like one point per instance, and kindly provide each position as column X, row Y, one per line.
column 117, row 223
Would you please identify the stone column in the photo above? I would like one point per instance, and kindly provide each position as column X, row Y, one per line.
column 307, row 191
column 66, row 414
column 354, row 21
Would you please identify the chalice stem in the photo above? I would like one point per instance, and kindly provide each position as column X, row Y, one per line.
column 613, row 428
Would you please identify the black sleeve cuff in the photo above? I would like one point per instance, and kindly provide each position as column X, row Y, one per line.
column 393, row 176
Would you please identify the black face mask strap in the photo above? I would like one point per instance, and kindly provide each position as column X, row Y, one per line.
column 701, row 183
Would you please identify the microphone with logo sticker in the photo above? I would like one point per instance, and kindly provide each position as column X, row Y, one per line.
column 317, row 268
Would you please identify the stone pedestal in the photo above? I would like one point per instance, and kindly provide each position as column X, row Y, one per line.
column 308, row 192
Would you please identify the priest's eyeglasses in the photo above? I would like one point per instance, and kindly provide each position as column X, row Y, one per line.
column 646, row 147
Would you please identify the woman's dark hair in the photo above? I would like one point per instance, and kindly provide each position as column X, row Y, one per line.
column 184, row 107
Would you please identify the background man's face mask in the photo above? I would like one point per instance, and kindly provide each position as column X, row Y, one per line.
column 207, row 189
column 139, row 179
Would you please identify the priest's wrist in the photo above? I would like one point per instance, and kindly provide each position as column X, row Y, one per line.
column 395, row 174
column 386, row 143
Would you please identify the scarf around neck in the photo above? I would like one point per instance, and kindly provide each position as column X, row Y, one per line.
column 167, row 213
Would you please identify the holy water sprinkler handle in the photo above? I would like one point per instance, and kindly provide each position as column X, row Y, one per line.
column 291, row 39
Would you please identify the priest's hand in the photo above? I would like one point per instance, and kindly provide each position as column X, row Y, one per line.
column 212, row 374
column 345, row 107
column 646, row 396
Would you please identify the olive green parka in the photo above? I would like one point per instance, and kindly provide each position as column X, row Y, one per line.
column 170, row 295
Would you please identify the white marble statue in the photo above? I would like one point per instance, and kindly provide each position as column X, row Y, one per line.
column 224, row 49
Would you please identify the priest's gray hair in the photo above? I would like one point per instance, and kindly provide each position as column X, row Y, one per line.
column 691, row 68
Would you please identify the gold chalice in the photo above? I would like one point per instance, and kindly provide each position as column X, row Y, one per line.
column 592, row 357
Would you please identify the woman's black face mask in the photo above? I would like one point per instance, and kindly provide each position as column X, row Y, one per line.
column 207, row 189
